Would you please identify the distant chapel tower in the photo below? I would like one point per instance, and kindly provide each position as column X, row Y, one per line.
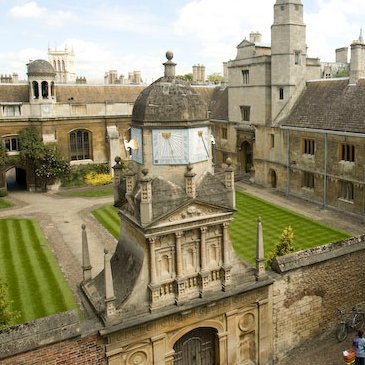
column 288, row 54
column 64, row 64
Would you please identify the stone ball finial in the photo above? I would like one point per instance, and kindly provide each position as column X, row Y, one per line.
column 169, row 55
column 189, row 167
column 145, row 171
column 83, row 226
column 229, row 161
column 117, row 159
column 106, row 251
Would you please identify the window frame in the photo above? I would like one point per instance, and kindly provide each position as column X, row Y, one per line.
column 309, row 146
column 245, row 77
column 347, row 191
column 245, row 113
column 80, row 148
column 347, row 152
column 308, row 180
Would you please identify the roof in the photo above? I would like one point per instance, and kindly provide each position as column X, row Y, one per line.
column 169, row 99
column 219, row 104
column 86, row 93
column 12, row 93
column 330, row 105
column 40, row 67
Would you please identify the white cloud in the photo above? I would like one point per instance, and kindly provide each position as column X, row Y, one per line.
column 28, row 10
column 32, row 10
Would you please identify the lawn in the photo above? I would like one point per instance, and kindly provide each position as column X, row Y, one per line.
column 307, row 232
column 89, row 192
column 36, row 285
column 4, row 204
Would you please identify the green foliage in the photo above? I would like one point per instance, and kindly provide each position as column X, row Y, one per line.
column 45, row 160
column 186, row 77
column 343, row 72
column 51, row 165
column 78, row 173
column 4, row 158
column 283, row 246
column 7, row 316
column 94, row 179
column 215, row 78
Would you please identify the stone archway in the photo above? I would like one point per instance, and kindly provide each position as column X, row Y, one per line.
column 16, row 179
column 197, row 347
column 273, row 178
column 246, row 156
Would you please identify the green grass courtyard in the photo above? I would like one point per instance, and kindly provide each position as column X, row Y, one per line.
column 307, row 233
column 36, row 286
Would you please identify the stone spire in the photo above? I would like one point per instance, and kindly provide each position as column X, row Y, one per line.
column 86, row 267
column 109, row 287
column 260, row 253
column 169, row 65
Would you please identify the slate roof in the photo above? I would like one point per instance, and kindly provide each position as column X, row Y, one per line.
column 41, row 67
column 14, row 93
column 330, row 105
column 98, row 93
column 219, row 104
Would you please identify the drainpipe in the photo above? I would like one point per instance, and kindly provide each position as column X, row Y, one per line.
column 325, row 171
column 288, row 166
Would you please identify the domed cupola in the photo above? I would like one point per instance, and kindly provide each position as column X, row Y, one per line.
column 170, row 128
column 169, row 100
column 41, row 78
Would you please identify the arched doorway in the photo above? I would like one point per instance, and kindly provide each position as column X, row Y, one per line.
column 273, row 178
column 197, row 347
column 16, row 179
column 246, row 151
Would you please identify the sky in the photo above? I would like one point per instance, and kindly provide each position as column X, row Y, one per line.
column 128, row 35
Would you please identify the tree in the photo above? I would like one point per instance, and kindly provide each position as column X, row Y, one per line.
column 186, row 77
column 215, row 78
column 6, row 315
column 45, row 160
column 4, row 158
column 283, row 246
column 51, row 165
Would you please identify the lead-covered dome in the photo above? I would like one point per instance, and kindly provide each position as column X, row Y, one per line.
column 169, row 99
column 40, row 67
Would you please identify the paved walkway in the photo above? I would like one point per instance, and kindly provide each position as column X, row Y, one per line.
column 61, row 219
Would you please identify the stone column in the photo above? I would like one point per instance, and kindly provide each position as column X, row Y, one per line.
column 232, row 337
column 204, row 272
column 260, row 254
column 179, row 270
column 265, row 326
column 146, row 199
column 229, row 183
column 226, row 268
column 117, row 168
column 152, row 261
column 223, row 343
column 86, row 267
column 159, row 349
column 189, row 182
column 109, row 287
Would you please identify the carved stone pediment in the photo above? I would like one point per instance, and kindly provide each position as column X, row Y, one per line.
column 194, row 210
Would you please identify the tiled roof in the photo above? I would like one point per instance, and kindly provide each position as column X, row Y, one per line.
column 330, row 105
column 14, row 93
column 219, row 104
column 97, row 93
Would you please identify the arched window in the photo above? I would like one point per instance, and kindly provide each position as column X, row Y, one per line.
column 63, row 65
column 35, row 89
column 59, row 65
column 44, row 89
column 55, row 65
column 80, row 143
column 52, row 89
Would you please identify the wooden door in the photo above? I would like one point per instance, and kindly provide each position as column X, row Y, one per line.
column 197, row 347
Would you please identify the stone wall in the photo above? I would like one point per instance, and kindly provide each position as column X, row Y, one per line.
column 51, row 340
column 310, row 286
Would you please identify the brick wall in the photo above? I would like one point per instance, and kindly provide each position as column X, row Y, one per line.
column 311, row 286
column 80, row 351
